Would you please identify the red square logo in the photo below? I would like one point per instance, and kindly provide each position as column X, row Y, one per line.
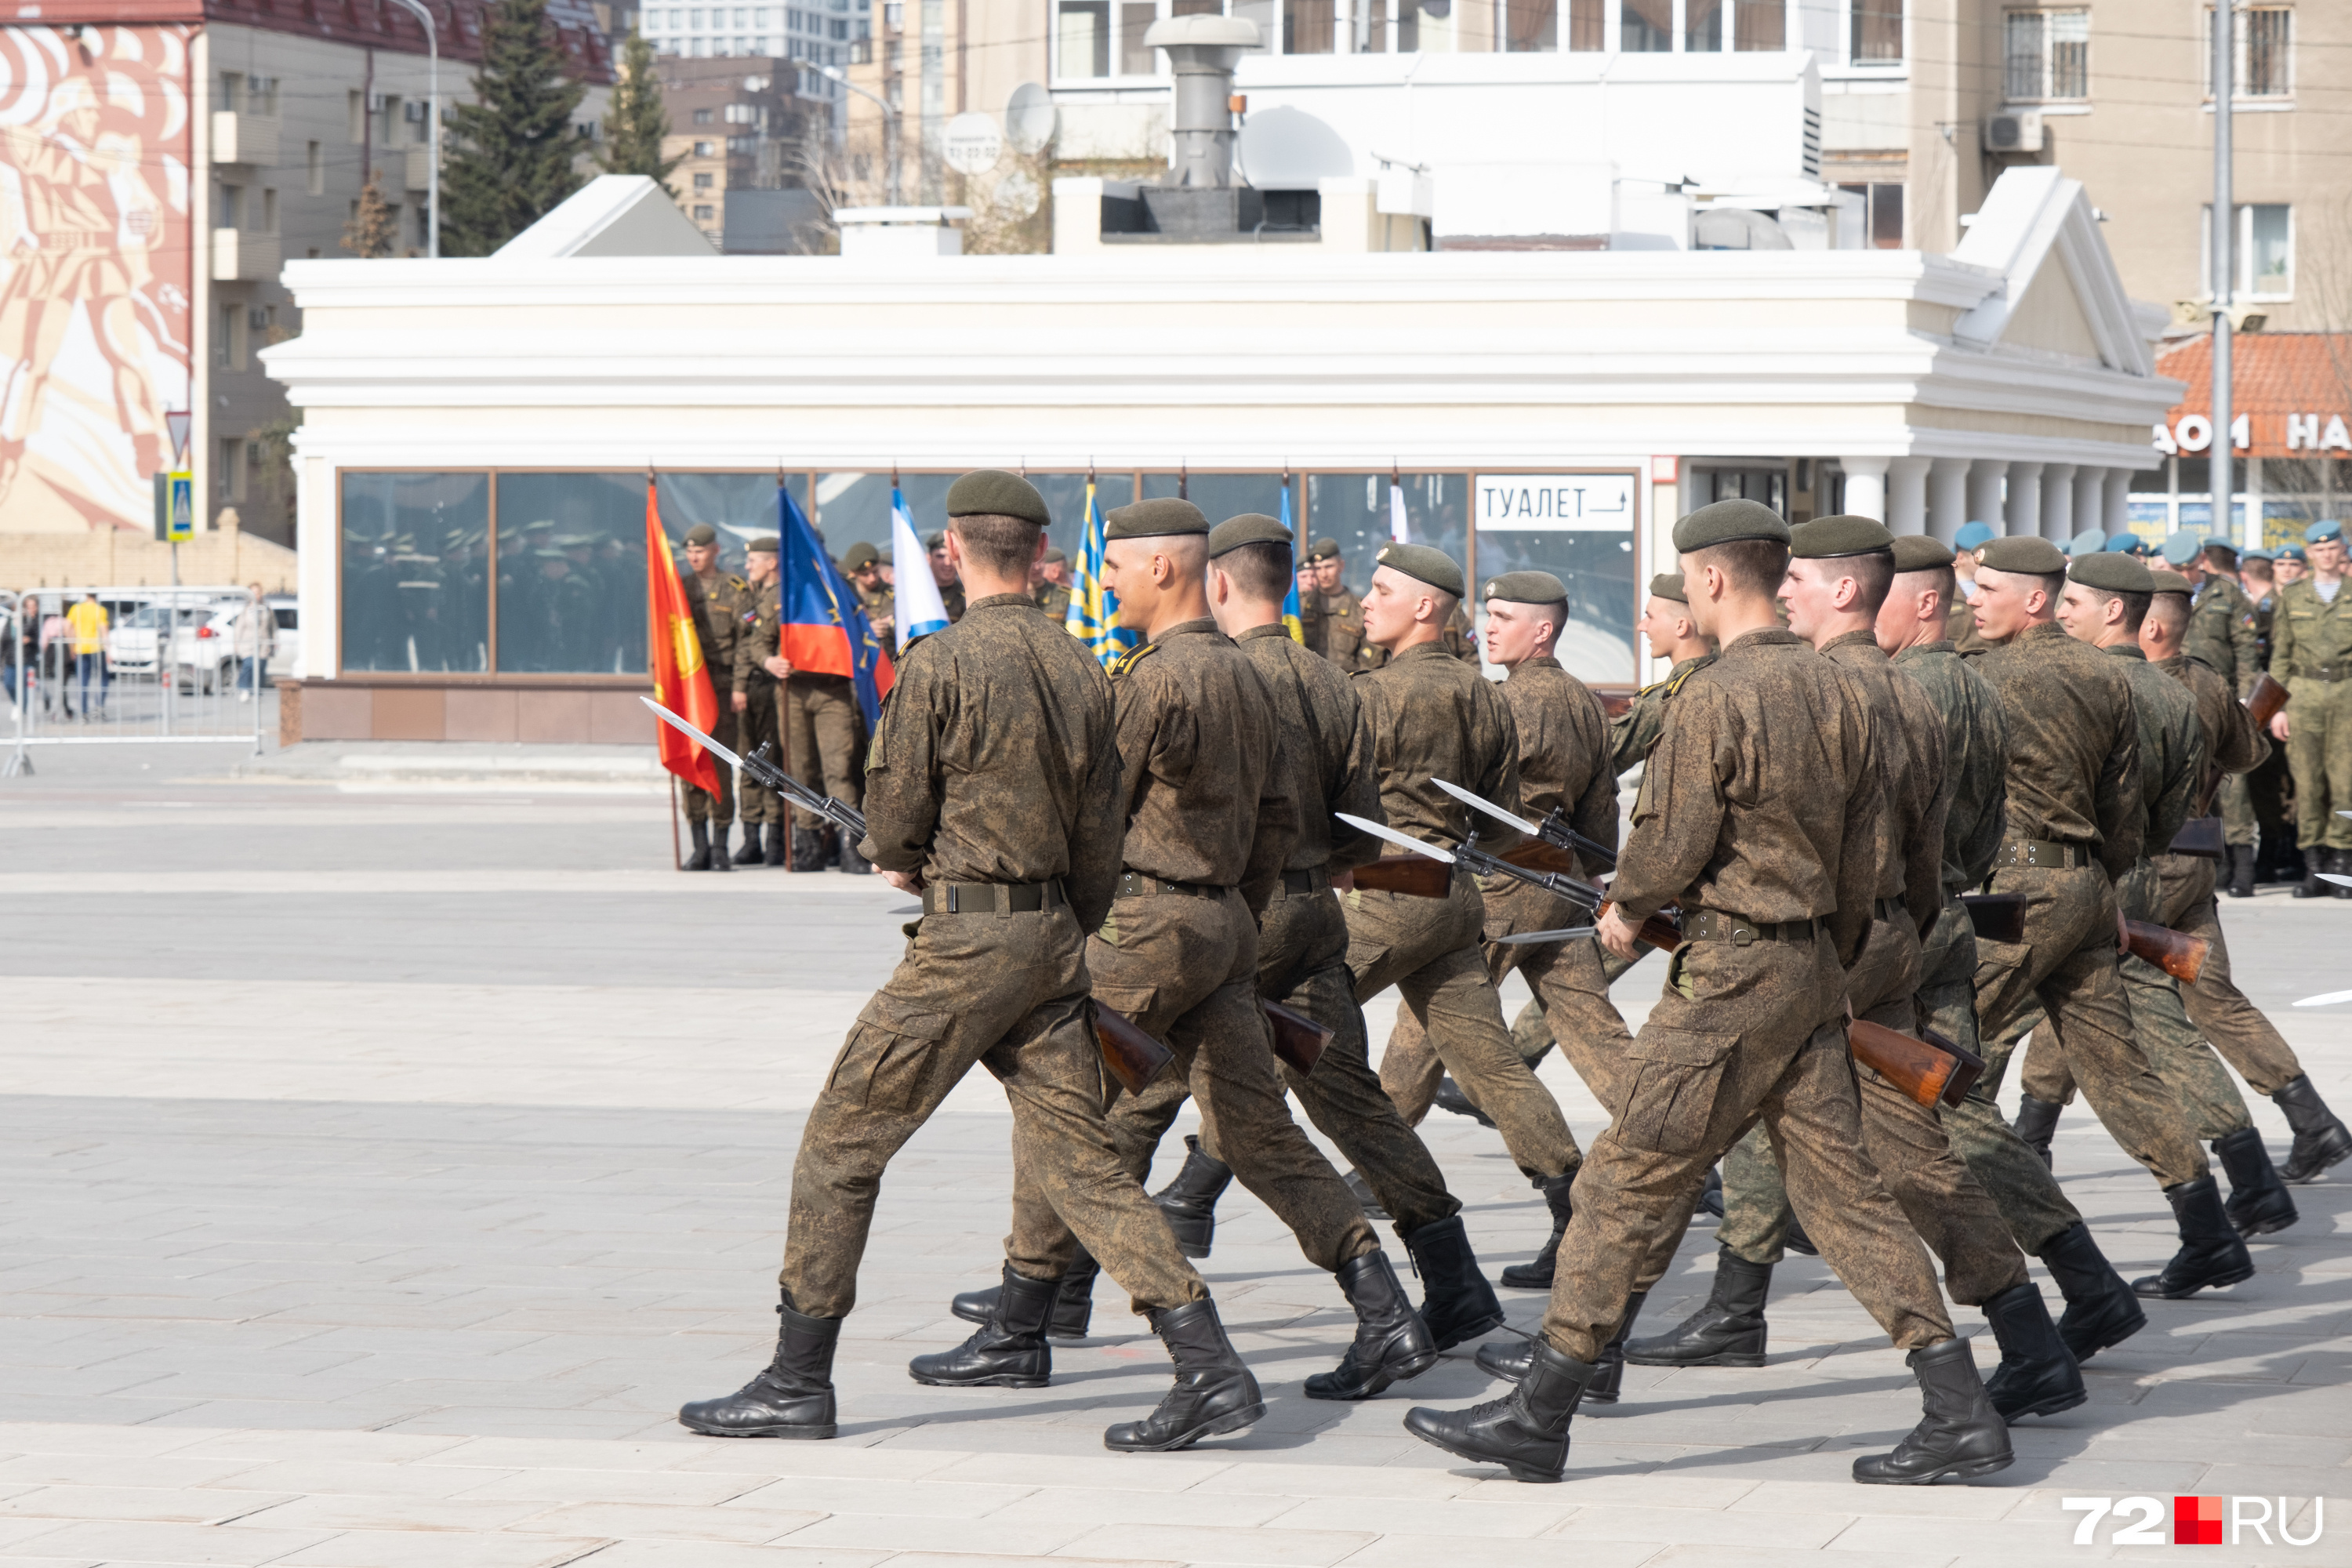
column 2196, row 1522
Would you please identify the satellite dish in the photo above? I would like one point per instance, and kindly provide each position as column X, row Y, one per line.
column 1030, row 119
column 1017, row 195
column 973, row 143
column 1290, row 149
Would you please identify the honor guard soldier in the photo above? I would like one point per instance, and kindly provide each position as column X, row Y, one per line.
column 1751, row 836
column 2225, row 634
column 2310, row 654
column 2276, row 857
column 943, row 573
column 1053, row 589
column 1343, row 613
column 820, row 720
column 2072, row 828
column 716, row 599
column 861, row 564
column 996, row 793
column 756, row 707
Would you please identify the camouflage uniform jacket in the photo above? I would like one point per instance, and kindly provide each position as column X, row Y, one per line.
column 1960, row 625
column 1202, row 790
column 2221, row 632
column 1908, row 738
column 758, row 609
column 1054, row 600
column 1563, row 766
column 717, row 606
column 1754, row 793
column 1434, row 717
column 1326, row 750
column 1634, row 731
column 996, row 760
column 881, row 607
column 2308, row 633
column 1343, row 633
column 2172, row 753
column 1976, row 756
column 2232, row 745
column 2074, row 745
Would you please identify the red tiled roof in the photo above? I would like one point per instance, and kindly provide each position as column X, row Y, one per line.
column 2271, row 375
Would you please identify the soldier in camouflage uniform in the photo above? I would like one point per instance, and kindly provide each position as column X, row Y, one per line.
column 1749, row 838
column 861, row 564
column 996, row 793
column 2310, row 654
column 1961, row 619
column 822, row 725
column 1209, row 826
column 1053, row 590
column 1342, row 612
column 2276, row 859
column 943, row 573
column 2224, row 632
column 756, row 709
column 714, row 598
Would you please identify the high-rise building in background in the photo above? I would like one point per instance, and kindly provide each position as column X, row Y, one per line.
column 738, row 126
column 817, row 33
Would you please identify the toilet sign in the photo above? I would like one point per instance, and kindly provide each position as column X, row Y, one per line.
column 1594, row 502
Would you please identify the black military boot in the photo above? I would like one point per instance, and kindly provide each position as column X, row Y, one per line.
column 1189, row 1201
column 2211, row 1254
column 1361, row 1191
column 1526, row 1431
column 2315, row 861
column 1074, row 1300
column 700, row 859
column 720, row 859
column 2101, row 1310
column 851, row 863
column 1214, row 1391
column 1509, row 1358
column 1959, row 1433
column 793, row 1398
column 751, row 854
column 1456, row 1302
column 2341, row 864
column 776, row 831
column 2321, row 1138
column 2035, row 1123
column 808, row 851
column 1391, row 1343
column 2242, row 870
column 2259, row 1202
column 1010, row 1349
column 2038, row 1375
column 1710, row 1197
column 1728, row 1330
column 1451, row 1098
column 1535, row 1273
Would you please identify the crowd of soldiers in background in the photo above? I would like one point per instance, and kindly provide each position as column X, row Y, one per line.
column 567, row 603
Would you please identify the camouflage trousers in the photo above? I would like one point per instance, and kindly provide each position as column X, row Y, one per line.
column 2319, row 756
column 1184, row 968
column 2067, row 966
column 2234, row 1026
column 701, row 805
column 756, row 725
column 1428, row 948
column 2234, row 803
column 1742, row 1036
column 1302, row 962
column 1904, row 1140
column 1006, row 992
column 1532, row 1032
column 2030, row 1202
column 820, row 724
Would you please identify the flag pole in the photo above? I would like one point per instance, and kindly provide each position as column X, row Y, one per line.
column 677, row 857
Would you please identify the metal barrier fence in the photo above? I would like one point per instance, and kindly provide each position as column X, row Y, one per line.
column 176, row 678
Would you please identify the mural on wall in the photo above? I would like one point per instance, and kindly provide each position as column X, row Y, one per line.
column 95, row 249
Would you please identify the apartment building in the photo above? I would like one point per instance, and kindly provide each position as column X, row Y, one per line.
column 736, row 125
column 818, row 34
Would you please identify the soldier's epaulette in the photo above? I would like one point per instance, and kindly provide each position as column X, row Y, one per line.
column 738, row 582
column 1130, row 658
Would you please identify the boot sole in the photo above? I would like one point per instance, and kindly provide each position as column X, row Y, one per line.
column 1382, row 1378
column 809, row 1432
column 2235, row 1277
column 1721, row 1358
column 1968, row 1471
column 1452, row 1337
column 1525, row 1281
column 1519, row 1472
column 2108, row 1339
column 1001, row 1380
column 1249, row 1415
column 2051, row 1406
column 2327, row 1164
column 2262, row 1228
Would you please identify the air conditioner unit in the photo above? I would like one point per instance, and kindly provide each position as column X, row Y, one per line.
column 2013, row 130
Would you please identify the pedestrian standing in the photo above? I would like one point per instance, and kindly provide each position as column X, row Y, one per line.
column 88, row 622
column 2311, row 653
column 252, row 641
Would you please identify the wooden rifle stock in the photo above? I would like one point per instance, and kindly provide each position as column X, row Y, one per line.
column 1298, row 1040
column 1134, row 1058
column 1659, row 930
column 1997, row 917
column 1929, row 1070
column 1414, row 874
column 2265, row 700
column 1537, row 855
column 2182, row 957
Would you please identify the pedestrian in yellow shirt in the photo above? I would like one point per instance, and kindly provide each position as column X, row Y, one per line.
column 88, row 620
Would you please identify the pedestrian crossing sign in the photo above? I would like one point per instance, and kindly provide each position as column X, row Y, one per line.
column 180, row 506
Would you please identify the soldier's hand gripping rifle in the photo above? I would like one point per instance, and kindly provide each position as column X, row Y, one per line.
column 1474, row 859
column 1551, row 831
column 761, row 765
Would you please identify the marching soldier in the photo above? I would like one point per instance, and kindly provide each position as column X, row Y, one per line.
column 1012, row 837
column 755, row 706
column 1209, row 828
column 714, row 598
column 2224, row 633
column 1749, row 837
column 2275, row 859
column 2311, row 653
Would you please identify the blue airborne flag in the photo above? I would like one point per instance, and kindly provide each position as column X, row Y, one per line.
column 823, row 628
column 1292, row 618
column 1093, row 607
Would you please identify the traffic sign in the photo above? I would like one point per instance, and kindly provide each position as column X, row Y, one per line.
column 180, row 512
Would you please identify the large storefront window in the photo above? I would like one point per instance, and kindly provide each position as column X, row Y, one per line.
column 572, row 573
column 415, row 562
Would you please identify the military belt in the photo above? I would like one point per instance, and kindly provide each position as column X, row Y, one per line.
column 2324, row 671
column 1721, row 927
column 2046, row 853
column 1887, row 908
column 1136, row 885
column 1314, row 880
column 992, row 898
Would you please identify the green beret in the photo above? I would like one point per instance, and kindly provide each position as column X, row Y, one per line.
column 1250, row 528
column 765, row 545
column 995, row 493
column 1155, row 519
column 702, row 533
column 2112, row 571
column 2024, row 553
column 1669, row 585
column 1920, row 553
column 1527, row 588
column 859, row 555
column 1324, row 550
column 1728, row 522
column 2168, row 580
column 934, row 541
column 1826, row 537
column 1423, row 564
column 1055, row 558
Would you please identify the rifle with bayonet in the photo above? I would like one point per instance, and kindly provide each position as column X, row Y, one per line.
column 1472, row 859
column 1551, row 831
column 761, row 765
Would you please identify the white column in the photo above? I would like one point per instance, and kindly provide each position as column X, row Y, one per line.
column 1865, row 486
column 1906, row 496
column 1947, row 497
column 2119, row 486
column 2024, row 509
column 1985, row 503
column 2058, row 501
column 2090, row 498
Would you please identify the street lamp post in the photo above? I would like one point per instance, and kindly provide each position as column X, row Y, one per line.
column 890, row 122
column 433, row 125
column 2222, row 452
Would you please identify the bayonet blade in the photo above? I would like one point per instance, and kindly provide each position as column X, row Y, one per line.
column 675, row 722
column 1393, row 837
column 2339, row 881
column 1564, row 933
column 1477, row 803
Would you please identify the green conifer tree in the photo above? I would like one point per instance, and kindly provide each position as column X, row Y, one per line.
column 635, row 123
column 514, row 154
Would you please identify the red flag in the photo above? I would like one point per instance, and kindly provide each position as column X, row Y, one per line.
column 681, row 683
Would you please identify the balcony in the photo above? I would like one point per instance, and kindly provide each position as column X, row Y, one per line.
column 240, row 138
column 418, row 175
column 244, row 255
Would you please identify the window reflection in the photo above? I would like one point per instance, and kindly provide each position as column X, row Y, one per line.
column 572, row 573
column 414, row 574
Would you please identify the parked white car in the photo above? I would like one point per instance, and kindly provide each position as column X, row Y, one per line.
column 207, row 653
